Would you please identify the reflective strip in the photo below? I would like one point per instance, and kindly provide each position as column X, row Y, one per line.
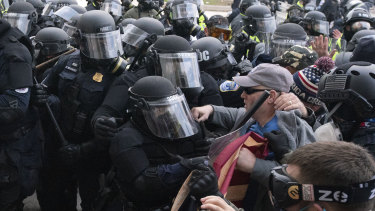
column 299, row 3
column 202, row 24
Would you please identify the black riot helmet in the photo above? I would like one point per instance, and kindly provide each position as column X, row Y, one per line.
column 100, row 38
column 21, row 15
column 347, row 91
column 258, row 18
column 315, row 23
column 184, row 15
column 173, row 58
column 38, row 5
column 357, row 36
column 50, row 42
column 244, row 4
column 295, row 14
column 113, row 7
column 285, row 36
column 351, row 4
column 215, row 59
column 356, row 20
column 146, row 5
column 163, row 107
column 141, row 30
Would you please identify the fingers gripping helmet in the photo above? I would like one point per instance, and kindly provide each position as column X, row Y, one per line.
column 349, row 89
column 163, row 107
column 21, row 15
column 258, row 18
column 172, row 57
column 215, row 59
column 100, row 38
column 285, row 36
column 315, row 23
column 356, row 20
column 50, row 42
column 136, row 33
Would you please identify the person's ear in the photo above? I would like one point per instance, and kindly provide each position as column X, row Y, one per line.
column 273, row 95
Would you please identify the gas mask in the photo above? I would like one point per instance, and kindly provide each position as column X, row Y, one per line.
column 186, row 26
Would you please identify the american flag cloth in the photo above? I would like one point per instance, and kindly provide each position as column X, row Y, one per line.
column 233, row 183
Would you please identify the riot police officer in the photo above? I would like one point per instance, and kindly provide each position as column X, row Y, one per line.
column 38, row 5
column 235, row 19
column 78, row 84
column 294, row 14
column 161, row 144
column 66, row 13
column 49, row 43
column 315, row 23
column 23, row 15
column 50, row 8
column 20, row 148
column 356, row 37
column 219, row 63
column 285, row 36
column 184, row 17
column 356, row 20
column 145, row 8
column 165, row 60
column 258, row 26
column 114, row 8
column 348, row 94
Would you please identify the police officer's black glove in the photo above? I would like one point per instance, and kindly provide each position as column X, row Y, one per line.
column 105, row 127
column 279, row 143
column 39, row 95
column 203, row 183
column 199, row 163
column 70, row 154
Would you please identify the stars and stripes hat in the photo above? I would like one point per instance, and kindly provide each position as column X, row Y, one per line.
column 306, row 81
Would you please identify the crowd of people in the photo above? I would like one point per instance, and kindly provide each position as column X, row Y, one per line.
column 131, row 107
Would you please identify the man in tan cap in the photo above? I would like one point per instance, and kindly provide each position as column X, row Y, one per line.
column 285, row 130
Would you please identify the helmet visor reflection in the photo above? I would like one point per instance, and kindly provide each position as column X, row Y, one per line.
column 186, row 10
column 112, row 8
column 102, row 45
column 20, row 21
column 133, row 35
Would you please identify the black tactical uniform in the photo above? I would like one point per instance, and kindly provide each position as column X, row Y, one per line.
column 116, row 102
column 348, row 94
column 23, row 16
column 315, row 23
column 20, row 148
column 151, row 151
column 79, row 83
column 235, row 19
column 93, row 5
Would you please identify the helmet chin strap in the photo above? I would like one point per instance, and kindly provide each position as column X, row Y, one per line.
column 334, row 109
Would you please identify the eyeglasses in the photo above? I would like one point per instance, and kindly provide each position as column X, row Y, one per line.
column 250, row 90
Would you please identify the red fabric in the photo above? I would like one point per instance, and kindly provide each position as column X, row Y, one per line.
column 236, row 177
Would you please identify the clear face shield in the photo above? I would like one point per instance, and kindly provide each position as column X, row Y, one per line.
column 360, row 25
column 112, row 8
column 102, row 45
column 181, row 69
column 134, row 36
column 170, row 118
column 278, row 47
column 187, row 10
column 266, row 25
column 49, row 8
column 66, row 13
column 69, row 29
column 20, row 21
column 321, row 27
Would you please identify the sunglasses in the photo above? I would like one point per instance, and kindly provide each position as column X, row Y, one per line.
column 250, row 90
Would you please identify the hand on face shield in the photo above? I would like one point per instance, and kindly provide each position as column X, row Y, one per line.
column 201, row 114
column 320, row 45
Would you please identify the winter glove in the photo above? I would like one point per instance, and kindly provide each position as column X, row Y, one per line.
column 199, row 163
column 203, row 183
column 279, row 143
column 39, row 95
column 105, row 127
column 70, row 154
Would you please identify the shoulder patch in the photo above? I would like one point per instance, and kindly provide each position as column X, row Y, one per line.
column 228, row 86
column 22, row 90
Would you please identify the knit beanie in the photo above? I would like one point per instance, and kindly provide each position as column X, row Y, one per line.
column 306, row 81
